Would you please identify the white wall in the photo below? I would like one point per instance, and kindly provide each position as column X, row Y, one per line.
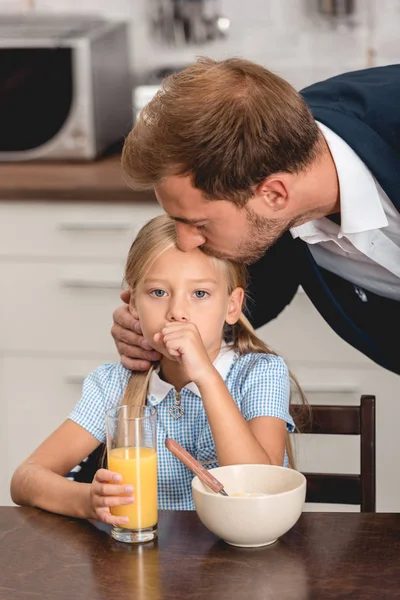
column 284, row 35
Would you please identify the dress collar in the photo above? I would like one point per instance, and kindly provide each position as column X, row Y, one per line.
column 159, row 389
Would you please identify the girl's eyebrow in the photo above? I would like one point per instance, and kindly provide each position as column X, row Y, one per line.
column 164, row 281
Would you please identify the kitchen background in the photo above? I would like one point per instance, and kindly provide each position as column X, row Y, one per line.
column 62, row 254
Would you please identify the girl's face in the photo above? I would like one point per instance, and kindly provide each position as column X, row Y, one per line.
column 186, row 287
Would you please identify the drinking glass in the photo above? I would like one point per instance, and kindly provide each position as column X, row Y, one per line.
column 132, row 452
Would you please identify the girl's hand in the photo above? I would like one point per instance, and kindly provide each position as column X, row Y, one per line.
column 105, row 494
column 183, row 342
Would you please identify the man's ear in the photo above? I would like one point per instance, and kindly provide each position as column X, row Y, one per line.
column 235, row 304
column 275, row 192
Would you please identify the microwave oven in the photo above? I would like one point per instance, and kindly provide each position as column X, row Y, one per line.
column 65, row 87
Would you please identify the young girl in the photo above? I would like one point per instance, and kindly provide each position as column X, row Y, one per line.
column 218, row 390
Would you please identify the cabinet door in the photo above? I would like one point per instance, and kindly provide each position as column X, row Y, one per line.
column 68, row 230
column 61, row 308
column 37, row 395
column 300, row 334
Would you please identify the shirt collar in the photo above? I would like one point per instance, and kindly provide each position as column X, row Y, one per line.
column 360, row 205
column 159, row 389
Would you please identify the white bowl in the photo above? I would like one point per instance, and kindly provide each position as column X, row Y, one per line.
column 251, row 521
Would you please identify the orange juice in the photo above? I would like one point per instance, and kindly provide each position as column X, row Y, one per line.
column 138, row 467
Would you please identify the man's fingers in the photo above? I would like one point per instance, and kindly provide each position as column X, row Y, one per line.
column 134, row 344
column 137, row 327
column 137, row 352
column 125, row 296
column 129, row 332
column 134, row 364
column 124, row 318
column 127, row 336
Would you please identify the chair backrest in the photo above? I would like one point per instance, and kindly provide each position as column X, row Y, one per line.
column 343, row 420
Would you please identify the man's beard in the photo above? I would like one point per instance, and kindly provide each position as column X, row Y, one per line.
column 262, row 233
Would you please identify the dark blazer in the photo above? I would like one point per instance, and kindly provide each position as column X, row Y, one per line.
column 363, row 108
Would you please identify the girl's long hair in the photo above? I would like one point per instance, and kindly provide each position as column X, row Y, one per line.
column 155, row 237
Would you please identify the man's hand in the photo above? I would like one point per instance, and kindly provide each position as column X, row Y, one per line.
column 136, row 354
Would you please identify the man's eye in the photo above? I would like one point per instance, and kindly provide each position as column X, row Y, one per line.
column 157, row 293
column 201, row 294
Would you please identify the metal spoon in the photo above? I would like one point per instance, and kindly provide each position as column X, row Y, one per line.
column 196, row 467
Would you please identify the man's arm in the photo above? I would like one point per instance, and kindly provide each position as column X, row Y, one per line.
column 273, row 281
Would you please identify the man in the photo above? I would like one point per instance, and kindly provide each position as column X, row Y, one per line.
column 306, row 187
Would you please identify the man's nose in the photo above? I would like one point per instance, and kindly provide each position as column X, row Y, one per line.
column 188, row 237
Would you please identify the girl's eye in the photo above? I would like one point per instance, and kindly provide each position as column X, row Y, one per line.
column 157, row 293
column 201, row 294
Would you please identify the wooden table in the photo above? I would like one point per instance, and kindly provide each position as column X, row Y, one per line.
column 326, row 555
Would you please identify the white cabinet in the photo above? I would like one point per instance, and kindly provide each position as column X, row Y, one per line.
column 300, row 334
column 73, row 230
column 59, row 307
column 37, row 394
column 61, row 272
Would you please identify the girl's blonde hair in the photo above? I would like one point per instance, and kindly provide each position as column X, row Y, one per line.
column 156, row 237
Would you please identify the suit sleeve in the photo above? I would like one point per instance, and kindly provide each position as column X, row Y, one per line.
column 273, row 281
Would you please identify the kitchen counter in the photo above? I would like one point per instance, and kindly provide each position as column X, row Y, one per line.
column 99, row 181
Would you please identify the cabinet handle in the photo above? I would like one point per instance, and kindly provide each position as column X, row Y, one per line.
column 94, row 226
column 91, row 284
column 330, row 387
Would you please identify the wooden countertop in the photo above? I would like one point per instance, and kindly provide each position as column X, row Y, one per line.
column 98, row 181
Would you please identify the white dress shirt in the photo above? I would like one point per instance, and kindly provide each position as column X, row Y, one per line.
column 365, row 248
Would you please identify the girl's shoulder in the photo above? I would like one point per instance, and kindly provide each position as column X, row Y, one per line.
column 106, row 382
column 102, row 389
column 254, row 367
column 109, row 374
column 259, row 361
column 256, row 376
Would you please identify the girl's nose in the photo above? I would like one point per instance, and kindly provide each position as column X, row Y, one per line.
column 188, row 237
column 181, row 319
column 178, row 314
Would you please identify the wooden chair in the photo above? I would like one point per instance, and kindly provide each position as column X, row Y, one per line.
column 343, row 420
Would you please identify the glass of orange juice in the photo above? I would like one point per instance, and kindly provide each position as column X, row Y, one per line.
column 132, row 452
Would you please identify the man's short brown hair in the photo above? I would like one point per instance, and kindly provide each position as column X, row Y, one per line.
column 229, row 124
